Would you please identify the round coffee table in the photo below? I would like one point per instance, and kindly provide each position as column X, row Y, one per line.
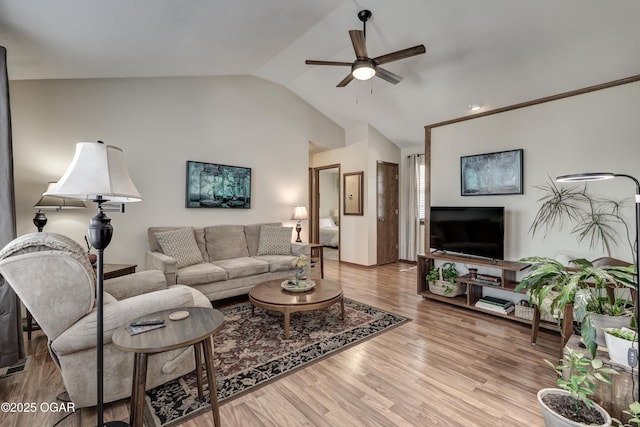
column 195, row 330
column 271, row 296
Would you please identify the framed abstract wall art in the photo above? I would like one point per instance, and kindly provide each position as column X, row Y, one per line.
column 491, row 173
column 211, row 185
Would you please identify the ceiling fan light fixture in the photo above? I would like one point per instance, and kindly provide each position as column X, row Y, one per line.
column 363, row 69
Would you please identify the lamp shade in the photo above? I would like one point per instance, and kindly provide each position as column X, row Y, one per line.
column 57, row 203
column 583, row 177
column 300, row 213
column 97, row 172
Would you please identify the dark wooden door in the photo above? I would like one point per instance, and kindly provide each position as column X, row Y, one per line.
column 387, row 212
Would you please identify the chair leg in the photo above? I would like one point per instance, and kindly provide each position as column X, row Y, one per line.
column 535, row 324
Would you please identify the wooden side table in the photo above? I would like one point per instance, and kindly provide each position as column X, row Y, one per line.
column 117, row 270
column 195, row 330
column 317, row 255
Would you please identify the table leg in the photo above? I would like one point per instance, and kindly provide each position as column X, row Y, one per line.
column 287, row 320
column 198, row 352
column 136, row 418
column 211, row 379
column 342, row 308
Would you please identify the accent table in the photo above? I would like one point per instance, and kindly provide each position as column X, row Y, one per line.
column 271, row 296
column 195, row 330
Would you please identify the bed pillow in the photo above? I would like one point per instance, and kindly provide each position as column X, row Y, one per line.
column 274, row 240
column 181, row 245
column 326, row 223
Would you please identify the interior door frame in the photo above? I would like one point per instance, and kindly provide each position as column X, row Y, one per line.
column 315, row 197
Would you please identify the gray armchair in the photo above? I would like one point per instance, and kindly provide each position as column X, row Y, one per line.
column 55, row 281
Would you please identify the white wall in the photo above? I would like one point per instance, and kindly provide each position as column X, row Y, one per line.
column 594, row 132
column 365, row 146
column 160, row 123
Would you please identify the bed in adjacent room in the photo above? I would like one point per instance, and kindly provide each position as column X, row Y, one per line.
column 329, row 232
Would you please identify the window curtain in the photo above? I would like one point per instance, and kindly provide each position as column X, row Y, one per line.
column 410, row 223
column 11, row 341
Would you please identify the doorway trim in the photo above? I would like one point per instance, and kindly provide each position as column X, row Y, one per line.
column 315, row 205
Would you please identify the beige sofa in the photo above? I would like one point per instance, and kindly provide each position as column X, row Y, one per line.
column 222, row 261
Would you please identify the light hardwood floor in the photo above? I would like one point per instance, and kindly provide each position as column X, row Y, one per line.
column 447, row 367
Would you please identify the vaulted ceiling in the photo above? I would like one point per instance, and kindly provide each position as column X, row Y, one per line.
column 487, row 52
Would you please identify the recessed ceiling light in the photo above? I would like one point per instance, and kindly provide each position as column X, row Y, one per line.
column 474, row 107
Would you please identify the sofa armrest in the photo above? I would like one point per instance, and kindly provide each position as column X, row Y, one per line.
column 134, row 284
column 82, row 334
column 164, row 263
column 298, row 249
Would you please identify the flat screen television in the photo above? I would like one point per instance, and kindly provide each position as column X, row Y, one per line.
column 470, row 230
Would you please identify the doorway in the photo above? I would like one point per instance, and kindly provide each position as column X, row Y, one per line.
column 387, row 212
column 325, row 210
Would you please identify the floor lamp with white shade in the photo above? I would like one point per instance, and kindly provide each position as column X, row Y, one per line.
column 98, row 173
column 598, row 176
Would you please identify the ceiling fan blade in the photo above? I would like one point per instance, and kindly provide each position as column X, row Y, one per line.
column 400, row 54
column 313, row 62
column 345, row 81
column 388, row 76
column 359, row 43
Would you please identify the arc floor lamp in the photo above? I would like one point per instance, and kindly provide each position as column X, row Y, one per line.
column 599, row 176
column 98, row 173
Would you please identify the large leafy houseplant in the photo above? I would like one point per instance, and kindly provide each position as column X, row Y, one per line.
column 594, row 219
column 549, row 279
column 577, row 376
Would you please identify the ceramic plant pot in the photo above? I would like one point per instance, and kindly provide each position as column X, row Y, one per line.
column 553, row 419
column 601, row 321
column 618, row 347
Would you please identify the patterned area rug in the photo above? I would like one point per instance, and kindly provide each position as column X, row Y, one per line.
column 250, row 351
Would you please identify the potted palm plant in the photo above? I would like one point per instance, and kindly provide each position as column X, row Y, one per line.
column 596, row 292
column 570, row 404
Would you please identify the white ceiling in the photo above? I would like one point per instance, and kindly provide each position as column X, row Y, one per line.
column 488, row 52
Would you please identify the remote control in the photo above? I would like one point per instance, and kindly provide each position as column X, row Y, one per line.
column 148, row 322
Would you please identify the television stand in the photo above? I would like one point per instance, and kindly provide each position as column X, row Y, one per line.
column 475, row 288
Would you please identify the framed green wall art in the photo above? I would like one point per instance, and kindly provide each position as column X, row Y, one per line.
column 491, row 173
column 211, row 185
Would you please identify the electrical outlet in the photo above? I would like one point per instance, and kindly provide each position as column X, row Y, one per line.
column 632, row 357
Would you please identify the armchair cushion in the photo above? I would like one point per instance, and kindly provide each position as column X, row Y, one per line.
column 274, row 240
column 181, row 245
column 82, row 335
column 135, row 284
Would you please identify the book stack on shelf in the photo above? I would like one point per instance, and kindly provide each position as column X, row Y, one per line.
column 498, row 305
column 487, row 279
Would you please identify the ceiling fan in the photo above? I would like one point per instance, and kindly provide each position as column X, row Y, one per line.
column 364, row 68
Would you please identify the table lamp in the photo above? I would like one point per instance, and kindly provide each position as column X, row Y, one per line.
column 299, row 213
column 98, row 173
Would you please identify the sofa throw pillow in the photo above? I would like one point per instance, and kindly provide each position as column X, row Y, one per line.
column 181, row 245
column 274, row 240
